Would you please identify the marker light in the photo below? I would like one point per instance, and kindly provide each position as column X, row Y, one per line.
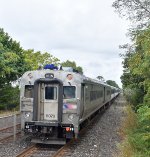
column 69, row 76
column 30, row 76
column 27, row 115
column 71, row 116
column 49, row 75
column 67, row 129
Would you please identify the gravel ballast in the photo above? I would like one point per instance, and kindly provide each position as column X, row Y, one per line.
column 102, row 136
column 11, row 149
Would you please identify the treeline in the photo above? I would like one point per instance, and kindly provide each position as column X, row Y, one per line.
column 109, row 82
column 14, row 61
column 136, row 76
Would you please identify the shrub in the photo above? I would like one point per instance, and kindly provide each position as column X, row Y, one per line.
column 9, row 97
column 2, row 106
column 136, row 132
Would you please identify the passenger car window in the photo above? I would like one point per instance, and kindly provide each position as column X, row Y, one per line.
column 28, row 91
column 108, row 92
column 51, row 93
column 69, row 92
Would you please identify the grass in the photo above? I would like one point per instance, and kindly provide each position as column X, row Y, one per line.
column 7, row 113
column 135, row 136
column 128, row 123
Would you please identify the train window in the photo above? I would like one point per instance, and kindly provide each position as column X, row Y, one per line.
column 112, row 91
column 28, row 91
column 108, row 92
column 51, row 93
column 100, row 94
column 69, row 92
column 95, row 95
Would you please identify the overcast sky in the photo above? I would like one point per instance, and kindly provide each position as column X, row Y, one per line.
column 88, row 32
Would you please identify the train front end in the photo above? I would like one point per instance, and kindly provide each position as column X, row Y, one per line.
column 54, row 115
column 47, row 112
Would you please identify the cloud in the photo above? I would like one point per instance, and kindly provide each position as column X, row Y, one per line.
column 94, row 64
column 86, row 31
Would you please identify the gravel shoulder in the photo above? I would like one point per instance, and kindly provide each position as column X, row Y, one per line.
column 102, row 136
column 11, row 149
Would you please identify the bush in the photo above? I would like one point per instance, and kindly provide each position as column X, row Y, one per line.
column 136, row 132
column 134, row 96
column 9, row 97
column 2, row 106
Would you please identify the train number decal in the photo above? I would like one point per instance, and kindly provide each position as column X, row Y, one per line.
column 50, row 116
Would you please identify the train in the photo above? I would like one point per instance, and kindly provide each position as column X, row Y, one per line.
column 56, row 103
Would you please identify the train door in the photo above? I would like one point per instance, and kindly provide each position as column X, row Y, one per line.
column 50, row 103
column 82, row 100
column 48, row 100
column 104, row 94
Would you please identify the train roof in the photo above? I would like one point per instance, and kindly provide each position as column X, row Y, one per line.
column 29, row 77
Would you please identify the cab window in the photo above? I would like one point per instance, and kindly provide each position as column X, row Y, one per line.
column 28, row 91
column 69, row 92
column 51, row 93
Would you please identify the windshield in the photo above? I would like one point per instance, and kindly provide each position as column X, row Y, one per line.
column 69, row 92
column 28, row 91
column 51, row 93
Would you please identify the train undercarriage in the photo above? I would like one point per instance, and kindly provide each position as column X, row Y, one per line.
column 49, row 133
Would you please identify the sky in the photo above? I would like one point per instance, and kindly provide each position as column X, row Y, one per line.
column 88, row 32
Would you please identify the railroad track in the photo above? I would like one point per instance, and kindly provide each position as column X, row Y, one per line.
column 8, row 132
column 34, row 150
column 10, row 127
column 9, row 137
column 51, row 151
column 47, row 151
column 28, row 151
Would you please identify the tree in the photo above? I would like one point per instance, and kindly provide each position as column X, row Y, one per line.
column 101, row 78
column 12, row 66
column 137, row 11
column 9, row 97
column 139, row 64
column 136, row 62
column 35, row 59
column 136, row 74
column 73, row 65
column 112, row 83
column 12, row 63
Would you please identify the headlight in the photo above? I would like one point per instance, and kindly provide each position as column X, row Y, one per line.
column 71, row 116
column 27, row 127
column 27, row 114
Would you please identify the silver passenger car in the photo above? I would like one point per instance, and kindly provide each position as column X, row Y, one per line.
column 55, row 103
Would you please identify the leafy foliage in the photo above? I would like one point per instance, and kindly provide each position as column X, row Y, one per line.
column 100, row 78
column 136, row 133
column 9, row 97
column 12, row 63
column 137, row 68
column 36, row 59
column 12, row 66
column 136, row 74
column 137, row 11
column 112, row 83
column 73, row 65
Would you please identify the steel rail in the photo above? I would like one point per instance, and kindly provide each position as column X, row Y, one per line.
column 2, row 129
column 10, row 136
column 61, row 152
column 27, row 151
column 63, row 149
